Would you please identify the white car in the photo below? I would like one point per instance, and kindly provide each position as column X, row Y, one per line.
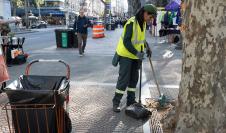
column 39, row 24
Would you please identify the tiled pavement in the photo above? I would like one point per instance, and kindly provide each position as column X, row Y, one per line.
column 94, row 114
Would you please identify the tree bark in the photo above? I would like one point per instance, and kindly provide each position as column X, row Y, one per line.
column 202, row 95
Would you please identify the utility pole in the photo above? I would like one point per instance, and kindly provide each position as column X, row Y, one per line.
column 66, row 7
column 142, row 2
column 39, row 12
column 26, row 13
column 92, row 7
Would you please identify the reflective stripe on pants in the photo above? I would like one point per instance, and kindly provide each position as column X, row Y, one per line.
column 131, row 89
column 119, row 91
column 128, row 77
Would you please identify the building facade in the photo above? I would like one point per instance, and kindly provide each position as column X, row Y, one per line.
column 91, row 7
column 5, row 9
column 54, row 11
column 53, row 4
column 94, row 8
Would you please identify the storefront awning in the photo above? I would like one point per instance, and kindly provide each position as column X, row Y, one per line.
column 45, row 12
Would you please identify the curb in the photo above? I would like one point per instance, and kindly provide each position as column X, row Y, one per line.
column 25, row 32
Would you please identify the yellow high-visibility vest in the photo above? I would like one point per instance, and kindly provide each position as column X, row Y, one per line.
column 138, row 39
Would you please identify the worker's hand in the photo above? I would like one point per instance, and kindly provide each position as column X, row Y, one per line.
column 140, row 55
column 85, row 25
column 148, row 52
column 76, row 33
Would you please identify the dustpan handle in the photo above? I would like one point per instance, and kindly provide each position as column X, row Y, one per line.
column 140, row 86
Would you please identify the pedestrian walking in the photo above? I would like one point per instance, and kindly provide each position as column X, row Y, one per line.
column 81, row 29
column 129, row 55
column 4, row 27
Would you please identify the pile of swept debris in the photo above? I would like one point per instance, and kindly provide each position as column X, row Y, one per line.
column 163, row 118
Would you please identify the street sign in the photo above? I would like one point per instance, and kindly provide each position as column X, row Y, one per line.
column 107, row 1
column 4, row 76
column 108, row 6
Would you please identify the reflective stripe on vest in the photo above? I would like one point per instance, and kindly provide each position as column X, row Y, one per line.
column 119, row 91
column 135, row 35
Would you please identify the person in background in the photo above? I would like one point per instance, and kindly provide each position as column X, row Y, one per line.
column 81, row 29
column 4, row 27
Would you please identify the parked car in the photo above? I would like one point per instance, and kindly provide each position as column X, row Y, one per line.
column 40, row 24
column 71, row 25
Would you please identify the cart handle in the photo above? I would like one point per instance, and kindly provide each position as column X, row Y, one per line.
column 27, row 71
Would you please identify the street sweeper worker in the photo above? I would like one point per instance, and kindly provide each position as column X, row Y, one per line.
column 129, row 55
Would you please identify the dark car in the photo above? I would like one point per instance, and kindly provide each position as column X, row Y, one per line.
column 40, row 24
column 71, row 25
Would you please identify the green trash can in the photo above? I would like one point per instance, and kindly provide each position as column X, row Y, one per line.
column 66, row 38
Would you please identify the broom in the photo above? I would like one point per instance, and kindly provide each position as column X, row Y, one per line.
column 162, row 98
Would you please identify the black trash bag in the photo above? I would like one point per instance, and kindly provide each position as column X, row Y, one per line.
column 20, row 59
column 137, row 111
column 37, row 90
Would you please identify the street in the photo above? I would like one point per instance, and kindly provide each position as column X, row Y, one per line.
column 93, row 78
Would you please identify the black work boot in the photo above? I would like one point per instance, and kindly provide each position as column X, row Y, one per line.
column 116, row 101
column 130, row 98
column 116, row 108
column 131, row 103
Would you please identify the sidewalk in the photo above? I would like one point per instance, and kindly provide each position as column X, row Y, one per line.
column 93, row 80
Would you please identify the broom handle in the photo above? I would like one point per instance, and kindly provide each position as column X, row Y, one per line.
column 152, row 68
column 140, row 77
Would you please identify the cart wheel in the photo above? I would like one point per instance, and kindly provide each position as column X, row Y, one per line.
column 68, row 123
column 2, row 87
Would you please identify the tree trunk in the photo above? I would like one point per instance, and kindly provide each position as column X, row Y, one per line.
column 14, row 11
column 14, row 7
column 202, row 95
column 133, row 7
column 105, row 10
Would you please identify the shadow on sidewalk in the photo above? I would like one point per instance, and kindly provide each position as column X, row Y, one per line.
column 116, row 122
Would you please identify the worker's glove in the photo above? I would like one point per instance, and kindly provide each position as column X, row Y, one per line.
column 148, row 52
column 140, row 55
